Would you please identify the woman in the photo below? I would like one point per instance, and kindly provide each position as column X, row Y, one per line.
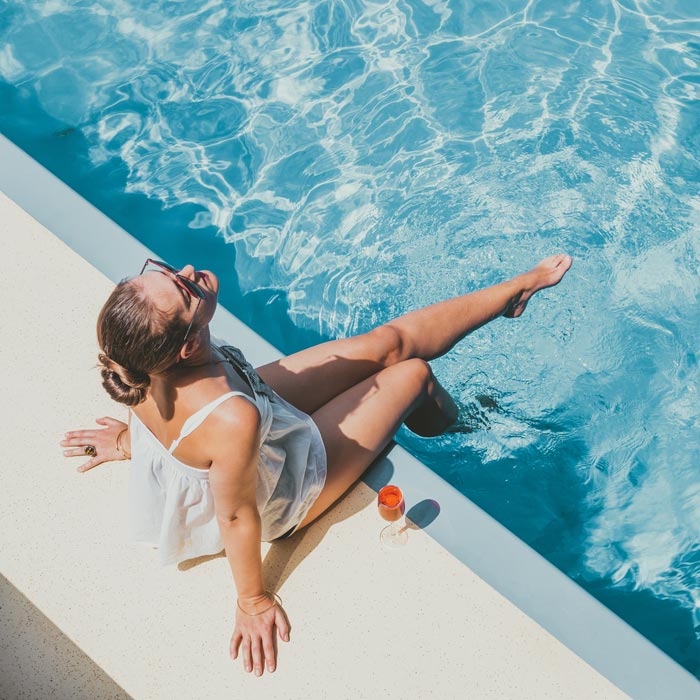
column 225, row 456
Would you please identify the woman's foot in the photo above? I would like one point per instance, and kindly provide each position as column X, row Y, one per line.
column 548, row 273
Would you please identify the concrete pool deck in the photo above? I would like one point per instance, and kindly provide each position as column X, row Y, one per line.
column 86, row 614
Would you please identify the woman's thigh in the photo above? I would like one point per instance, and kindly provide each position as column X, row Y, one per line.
column 359, row 423
column 310, row 378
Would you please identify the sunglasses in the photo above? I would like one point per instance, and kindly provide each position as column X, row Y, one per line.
column 186, row 284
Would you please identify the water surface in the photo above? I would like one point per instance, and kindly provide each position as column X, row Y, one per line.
column 361, row 159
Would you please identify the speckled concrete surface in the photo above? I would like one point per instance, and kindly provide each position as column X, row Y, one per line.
column 107, row 621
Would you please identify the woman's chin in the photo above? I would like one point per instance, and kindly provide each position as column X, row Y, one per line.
column 211, row 281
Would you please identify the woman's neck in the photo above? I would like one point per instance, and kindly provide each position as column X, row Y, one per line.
column 204, row 354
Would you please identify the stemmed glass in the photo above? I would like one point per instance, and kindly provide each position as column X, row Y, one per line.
column 392, row 507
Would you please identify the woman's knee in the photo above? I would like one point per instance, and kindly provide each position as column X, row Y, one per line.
column 418, row 372
column 388, row 345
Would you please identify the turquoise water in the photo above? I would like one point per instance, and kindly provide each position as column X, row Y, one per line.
column 339, row 163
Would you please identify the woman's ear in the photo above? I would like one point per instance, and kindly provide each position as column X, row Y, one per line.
column 186, row 350
column 190, row 346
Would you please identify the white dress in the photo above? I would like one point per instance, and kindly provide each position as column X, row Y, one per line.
column 171, row 506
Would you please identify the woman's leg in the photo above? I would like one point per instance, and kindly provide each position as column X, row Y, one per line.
column 311, row 378
column 433, row 330
column 359, row 423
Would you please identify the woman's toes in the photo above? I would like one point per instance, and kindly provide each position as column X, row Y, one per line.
column 548, row 273
column 563, row 264
column 552, row 269
column 564, row 260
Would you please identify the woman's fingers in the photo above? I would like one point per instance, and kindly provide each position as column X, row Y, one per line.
column 246, row 654
column 258, row 656
column 79, row 451
column 75, row 452
column 77, row 436
column 256, row 640
column 235, row 644
column 268, row 647
column 102, row 440
column 76, row 448
column 108, row 420
column 90, row 464
column 282, row 623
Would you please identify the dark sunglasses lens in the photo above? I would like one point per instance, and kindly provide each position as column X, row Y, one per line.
column 165, row 266
column 191, row 287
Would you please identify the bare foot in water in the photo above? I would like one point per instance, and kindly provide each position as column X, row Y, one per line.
column 548, row 273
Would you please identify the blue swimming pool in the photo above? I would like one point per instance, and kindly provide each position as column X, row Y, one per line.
column 341, row 162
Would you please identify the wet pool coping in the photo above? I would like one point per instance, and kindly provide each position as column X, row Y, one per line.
column 440, row 582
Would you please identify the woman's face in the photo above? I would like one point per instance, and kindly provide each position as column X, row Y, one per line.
column 171, row 297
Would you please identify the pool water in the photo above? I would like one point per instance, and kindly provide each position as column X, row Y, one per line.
column 341, row 162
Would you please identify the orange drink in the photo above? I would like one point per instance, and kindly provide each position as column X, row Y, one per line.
column 391, row 507
column 390, row 503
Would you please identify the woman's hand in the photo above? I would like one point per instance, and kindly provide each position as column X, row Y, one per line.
column 103, row 440
column 255, row 635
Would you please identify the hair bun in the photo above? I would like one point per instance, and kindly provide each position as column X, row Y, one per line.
column 123, row 385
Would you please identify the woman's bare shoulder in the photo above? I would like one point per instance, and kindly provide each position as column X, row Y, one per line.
column 233, row 425
column 232, row 435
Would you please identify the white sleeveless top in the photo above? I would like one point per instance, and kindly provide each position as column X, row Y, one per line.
column 171, row 506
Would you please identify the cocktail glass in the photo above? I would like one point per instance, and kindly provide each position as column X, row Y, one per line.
column 392, row 507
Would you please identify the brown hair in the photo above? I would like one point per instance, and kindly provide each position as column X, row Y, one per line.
column 137, row 339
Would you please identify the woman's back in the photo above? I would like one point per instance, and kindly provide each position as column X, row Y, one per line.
column 171, row 504
column 168, row 407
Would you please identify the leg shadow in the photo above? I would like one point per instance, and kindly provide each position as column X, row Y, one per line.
column 284, row 556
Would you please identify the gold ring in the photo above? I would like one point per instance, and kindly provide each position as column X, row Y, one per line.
column 90, row 450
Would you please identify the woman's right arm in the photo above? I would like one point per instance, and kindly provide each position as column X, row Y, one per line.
column 235, row 440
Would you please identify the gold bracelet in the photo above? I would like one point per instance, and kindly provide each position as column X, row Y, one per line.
column 122, row 451
column 276, row 600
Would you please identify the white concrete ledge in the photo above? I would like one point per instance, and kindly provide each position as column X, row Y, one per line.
column 418, row 623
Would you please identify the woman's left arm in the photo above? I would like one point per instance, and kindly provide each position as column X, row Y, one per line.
column 111, row 443
column 233, row 438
